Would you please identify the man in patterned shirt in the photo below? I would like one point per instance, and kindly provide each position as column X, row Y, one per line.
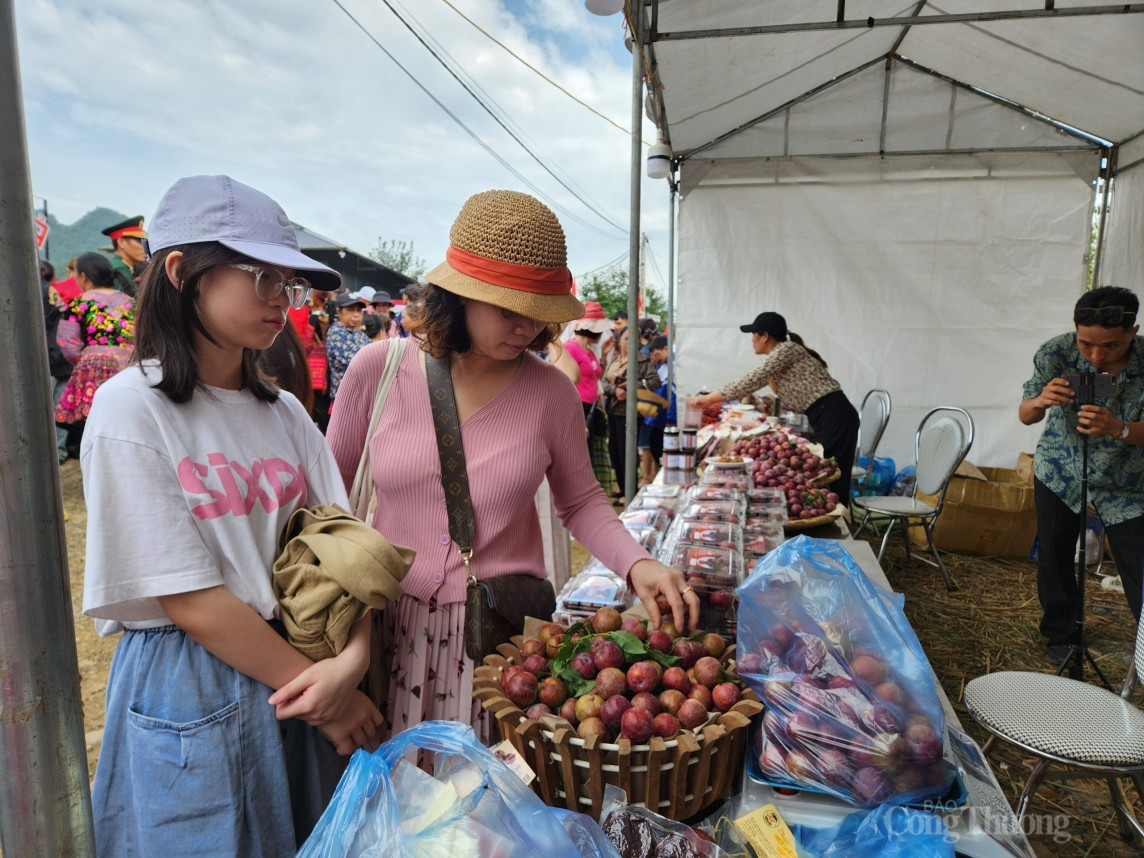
column 1105, row 341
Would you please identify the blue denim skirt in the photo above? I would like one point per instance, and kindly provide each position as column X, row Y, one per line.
column 193, row 760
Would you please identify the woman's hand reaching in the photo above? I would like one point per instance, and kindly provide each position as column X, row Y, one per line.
column 650, row 579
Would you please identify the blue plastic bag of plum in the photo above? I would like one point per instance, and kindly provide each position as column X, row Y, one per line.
column 851, row 705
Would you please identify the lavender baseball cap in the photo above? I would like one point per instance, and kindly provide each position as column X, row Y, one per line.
column 217, row 208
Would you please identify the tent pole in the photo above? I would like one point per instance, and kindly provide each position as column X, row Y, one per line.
column 671, row 289
column 631, row 418
column 1106, row 178
column 45, row 807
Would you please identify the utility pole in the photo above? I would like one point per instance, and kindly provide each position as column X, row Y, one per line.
column 45, row 807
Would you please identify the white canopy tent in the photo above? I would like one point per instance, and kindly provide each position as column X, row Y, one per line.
column 912, row 184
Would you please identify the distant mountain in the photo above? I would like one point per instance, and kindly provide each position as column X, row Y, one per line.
column 66, row 241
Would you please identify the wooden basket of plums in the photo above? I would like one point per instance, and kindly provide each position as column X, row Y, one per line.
column 661, row 715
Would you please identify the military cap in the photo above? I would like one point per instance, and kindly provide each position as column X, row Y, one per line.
column 130, row 228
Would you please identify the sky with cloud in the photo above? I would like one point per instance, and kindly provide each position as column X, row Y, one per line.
column 296, row 98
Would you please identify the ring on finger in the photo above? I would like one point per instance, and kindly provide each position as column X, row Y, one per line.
column 687, row 589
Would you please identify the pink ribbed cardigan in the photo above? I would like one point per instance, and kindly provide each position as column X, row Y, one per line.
column 535, row 426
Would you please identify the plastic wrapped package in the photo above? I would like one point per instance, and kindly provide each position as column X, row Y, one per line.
column 636, row 832
column 471, row 807
column 656, row 518
column 730, row 511
column 852, row 705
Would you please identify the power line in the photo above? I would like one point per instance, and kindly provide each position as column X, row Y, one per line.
column 532, row 68
column 489, row 102
column 615, row 261
column 497, row 119
column 463, row 126
column 655, row 265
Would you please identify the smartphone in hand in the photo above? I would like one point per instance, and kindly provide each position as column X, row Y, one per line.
column 1103, row 385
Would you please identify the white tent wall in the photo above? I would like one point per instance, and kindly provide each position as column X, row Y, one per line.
column 1121, row 263
column 935, row 277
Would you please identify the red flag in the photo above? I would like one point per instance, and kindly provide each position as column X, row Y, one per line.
column 42, row 229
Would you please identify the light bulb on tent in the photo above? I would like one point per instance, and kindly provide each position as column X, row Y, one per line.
column 658, row 160
column 604, row 7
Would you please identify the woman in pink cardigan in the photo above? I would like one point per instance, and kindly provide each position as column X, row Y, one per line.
column 499, row 298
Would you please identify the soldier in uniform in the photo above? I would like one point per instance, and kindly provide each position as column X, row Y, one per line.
column 127, row 248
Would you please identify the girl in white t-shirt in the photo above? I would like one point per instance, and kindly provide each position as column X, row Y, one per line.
column 192, row 462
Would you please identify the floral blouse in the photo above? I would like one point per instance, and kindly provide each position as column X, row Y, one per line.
column 96, row 319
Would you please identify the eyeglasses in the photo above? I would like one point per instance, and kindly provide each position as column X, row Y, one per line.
column 1106, row 317
column 269, row 284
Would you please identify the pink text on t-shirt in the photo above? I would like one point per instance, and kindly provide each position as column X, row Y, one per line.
column 271, row 482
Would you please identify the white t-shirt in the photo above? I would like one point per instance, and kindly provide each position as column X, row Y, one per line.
column 185, row 497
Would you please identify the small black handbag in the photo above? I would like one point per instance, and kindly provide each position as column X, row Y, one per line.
column 495, row 608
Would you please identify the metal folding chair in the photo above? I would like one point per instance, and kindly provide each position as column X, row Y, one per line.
column 944, row 437
column 1083, row 730
column 874, row 416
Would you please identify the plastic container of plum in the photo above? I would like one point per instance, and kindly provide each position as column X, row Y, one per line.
column 668, row 505
column 720, row 534
column 759, row 537
column 721, row 478
column 594, row 588
column 718, row 608
column 656, row 518
column 729, row 511
column 720, row 565
column 655, row 490
column 648, row 537
column 762, row 515
column 714, row 493
column 766, row 496
column 955, row 797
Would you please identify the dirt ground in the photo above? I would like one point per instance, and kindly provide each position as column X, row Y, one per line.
column 988, row 624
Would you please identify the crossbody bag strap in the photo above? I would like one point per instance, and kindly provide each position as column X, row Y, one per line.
column 361, row 494
column 454, row 476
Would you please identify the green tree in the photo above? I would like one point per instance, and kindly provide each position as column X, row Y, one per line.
column 609, row 286
column 399, row 256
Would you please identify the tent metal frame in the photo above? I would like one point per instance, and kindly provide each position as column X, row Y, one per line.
column 842, row 23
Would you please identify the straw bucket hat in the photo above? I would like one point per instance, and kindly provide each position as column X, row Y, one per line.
column 507, row 249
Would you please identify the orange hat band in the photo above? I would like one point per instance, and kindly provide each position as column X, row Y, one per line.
column 523, row 278
column 127, row 232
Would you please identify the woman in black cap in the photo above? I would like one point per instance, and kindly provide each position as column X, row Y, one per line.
column 799, row 378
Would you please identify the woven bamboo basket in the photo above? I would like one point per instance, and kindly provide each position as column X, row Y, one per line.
column 676, row 777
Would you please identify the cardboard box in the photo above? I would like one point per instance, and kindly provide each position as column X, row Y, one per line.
column 992, row 516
